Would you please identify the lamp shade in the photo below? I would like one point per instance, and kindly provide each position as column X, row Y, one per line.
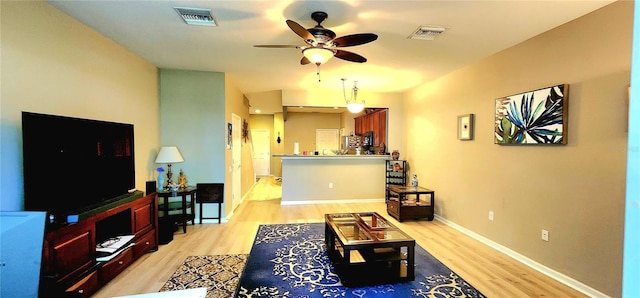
column 169, row 154
column 317, row 55
column 355, row 107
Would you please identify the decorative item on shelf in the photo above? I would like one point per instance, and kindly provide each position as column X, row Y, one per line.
column 245, row 130
column 383, row 149
column 414, row 180
column 353, row 105
column 169, row 155
column 395, row 155
column 174, row 189
column 182, row 179
column 160, row 185
column 397, row 167
column 229, row 135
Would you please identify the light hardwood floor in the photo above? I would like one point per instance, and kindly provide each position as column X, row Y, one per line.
column 491, row 272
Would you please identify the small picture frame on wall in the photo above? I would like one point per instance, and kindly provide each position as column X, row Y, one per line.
column 229, row 135
column 465, row 127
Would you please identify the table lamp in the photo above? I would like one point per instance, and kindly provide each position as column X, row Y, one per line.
column 169, row 155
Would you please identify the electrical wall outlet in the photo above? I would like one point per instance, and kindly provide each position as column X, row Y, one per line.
column 490, row 215
column 330, row 184
column 545, row 235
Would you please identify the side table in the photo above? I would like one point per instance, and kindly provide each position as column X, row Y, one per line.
column 183, row 206
column 403, row 202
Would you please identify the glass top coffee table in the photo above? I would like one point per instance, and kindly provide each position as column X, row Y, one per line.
column 365, row 249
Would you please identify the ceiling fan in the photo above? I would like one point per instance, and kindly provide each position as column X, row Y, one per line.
column 322, row 44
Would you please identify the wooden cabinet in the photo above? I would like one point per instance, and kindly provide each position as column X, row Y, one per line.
column 408, row 202
column 375, row 121
column 382, row 128
column 69, row 266
column 85, row 287
column 110, row 269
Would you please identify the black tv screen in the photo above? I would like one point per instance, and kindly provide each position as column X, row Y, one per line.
column 72, row 165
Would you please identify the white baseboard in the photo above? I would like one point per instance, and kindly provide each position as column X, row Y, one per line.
column 350, row 201
column 529, row 262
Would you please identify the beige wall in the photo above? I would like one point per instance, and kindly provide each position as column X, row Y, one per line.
column 53, row 64
column 236, row 103
column 575, row 191
column 301, row 128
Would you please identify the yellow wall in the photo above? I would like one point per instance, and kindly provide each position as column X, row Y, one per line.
column 236, row 103
column 301, row 128
column 575, row 191
column 53, row 64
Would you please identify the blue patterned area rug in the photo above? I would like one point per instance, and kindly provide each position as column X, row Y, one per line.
column 290, row 260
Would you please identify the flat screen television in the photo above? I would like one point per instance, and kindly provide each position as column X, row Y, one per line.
column 73, row 165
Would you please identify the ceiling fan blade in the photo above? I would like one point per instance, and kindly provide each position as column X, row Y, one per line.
column 301, row 31
column 354, row 39
column 278, row 46
column 353, row 57
column 304, row 61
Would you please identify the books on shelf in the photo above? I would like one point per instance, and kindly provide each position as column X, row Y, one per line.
column 111, row 247
column 113, row 255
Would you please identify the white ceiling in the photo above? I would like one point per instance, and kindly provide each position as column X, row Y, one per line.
column 476, row 29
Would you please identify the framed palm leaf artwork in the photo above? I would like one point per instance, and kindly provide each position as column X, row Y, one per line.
column 533, row 118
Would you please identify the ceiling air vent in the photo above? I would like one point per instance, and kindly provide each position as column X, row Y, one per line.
column 196, row 16
column 427, row 32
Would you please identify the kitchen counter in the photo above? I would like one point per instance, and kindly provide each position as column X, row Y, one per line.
column 316, row 179
column 345, row 156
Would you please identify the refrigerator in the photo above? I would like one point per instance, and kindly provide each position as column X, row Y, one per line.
column 351, row 143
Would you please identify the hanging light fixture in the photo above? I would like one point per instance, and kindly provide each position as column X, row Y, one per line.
column 317, row 55
column 353, row 105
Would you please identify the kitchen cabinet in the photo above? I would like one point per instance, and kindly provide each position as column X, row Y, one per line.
column 375, row 121
column 382, row 127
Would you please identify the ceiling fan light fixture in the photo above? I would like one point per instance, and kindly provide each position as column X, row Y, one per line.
column 317, row 55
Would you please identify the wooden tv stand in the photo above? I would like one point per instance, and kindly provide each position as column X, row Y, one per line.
column 69, row 266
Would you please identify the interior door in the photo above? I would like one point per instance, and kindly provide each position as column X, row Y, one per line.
column 236, row 157
column 328, row 139
column 261, row 140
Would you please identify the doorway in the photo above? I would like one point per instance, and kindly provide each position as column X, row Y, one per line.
column 261, row 140
column 327, row 139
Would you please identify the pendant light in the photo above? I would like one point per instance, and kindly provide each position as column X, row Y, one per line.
column 353, row 105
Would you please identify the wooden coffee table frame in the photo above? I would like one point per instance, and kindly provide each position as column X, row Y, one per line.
column 365, row 257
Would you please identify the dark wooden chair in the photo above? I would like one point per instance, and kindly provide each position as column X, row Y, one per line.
column 210, row 193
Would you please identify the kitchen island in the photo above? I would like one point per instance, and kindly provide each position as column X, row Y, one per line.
column 317, row 179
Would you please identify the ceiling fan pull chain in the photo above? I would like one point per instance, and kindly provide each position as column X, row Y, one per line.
column 318, row 71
